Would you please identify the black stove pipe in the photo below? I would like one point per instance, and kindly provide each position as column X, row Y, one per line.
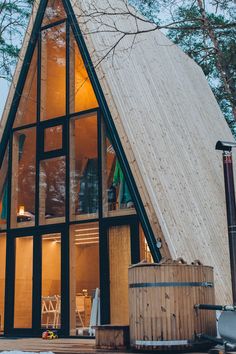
column 230, row 207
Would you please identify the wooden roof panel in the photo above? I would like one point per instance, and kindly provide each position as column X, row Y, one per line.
column 169, row 122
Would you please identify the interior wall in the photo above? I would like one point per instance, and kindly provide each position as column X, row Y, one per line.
column 23, row 282
column 51, row 268
column 87, row 268
column 84, row 96
column 2, row 278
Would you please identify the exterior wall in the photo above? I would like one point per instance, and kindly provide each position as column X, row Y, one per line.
column 169, row 122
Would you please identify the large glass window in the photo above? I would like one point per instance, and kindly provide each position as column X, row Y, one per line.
column 145, row 253
column 84, row 278
column 53, row 138
column 53, row 72
column 82, row 96
column 23, row 282
column 52, row 191
column 27, row 109
column 23, row 178
column 54, row 12
column 83, row 167
column 4, row 192
column 117, row 199
column 51, row 281
column 2, row 278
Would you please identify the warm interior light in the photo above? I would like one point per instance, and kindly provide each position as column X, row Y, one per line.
column 21, row 210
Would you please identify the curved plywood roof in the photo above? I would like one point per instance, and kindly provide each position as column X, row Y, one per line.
column 168, row 121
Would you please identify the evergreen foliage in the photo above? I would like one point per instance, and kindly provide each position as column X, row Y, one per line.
column 13, row 19
column 208, row 37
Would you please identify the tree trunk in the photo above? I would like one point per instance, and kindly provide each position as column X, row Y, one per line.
column 219, row 58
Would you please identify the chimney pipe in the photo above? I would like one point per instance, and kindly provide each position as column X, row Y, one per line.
column 226, row 147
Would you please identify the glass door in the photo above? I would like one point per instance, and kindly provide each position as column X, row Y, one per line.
column 54, row 280
column 19, row 284
column 51, row 281
column 36, row 294
column 23, row 282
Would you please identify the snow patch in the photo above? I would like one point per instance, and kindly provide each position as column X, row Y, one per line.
column 21, row 352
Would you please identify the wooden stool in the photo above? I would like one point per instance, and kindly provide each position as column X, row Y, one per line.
column 112, row 337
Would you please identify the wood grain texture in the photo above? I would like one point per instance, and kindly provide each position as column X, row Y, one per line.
column 166, row 313
column 168, row 121
column 23, row 282
column 112, row 337
column 120, row 260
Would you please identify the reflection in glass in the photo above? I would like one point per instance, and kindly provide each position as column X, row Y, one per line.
column 145, row 253
column 26, row 112
column 83, row 167
column 84, row 278
column 2, row 278
column 54, row 12
column 82, row 96
column 23, row 282
column 117, row 198
column 53, row 72
column 4, row 191
column 52, row 190
column 23, row 178
column 51, row 281
column 53, row 138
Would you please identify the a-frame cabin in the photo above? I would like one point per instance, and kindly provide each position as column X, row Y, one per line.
column 102, row 166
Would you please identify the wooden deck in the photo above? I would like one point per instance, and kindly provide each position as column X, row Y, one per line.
column 60, row 346
column 55, row 346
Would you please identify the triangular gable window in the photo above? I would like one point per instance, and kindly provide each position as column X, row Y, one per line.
column 62, row 121
column 54, row 12
column 27, row 109
column 53, row 72
column 82, row 93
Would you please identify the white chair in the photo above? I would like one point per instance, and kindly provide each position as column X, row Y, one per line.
column 80, row 309
column 51, row 309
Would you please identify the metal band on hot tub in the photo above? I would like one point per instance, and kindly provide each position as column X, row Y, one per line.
column 171, row 284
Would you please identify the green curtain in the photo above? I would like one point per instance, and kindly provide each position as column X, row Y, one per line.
column 118, row 179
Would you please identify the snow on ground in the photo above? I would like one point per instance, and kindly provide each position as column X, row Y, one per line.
column 19, row 352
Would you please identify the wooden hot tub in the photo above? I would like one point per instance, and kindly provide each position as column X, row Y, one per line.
column 161, row 305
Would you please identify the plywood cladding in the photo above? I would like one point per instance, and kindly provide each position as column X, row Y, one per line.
column 168, row 121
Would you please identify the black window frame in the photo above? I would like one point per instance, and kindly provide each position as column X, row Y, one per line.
column 43, row 155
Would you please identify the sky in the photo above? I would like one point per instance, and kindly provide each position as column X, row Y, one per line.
column 4, row 88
